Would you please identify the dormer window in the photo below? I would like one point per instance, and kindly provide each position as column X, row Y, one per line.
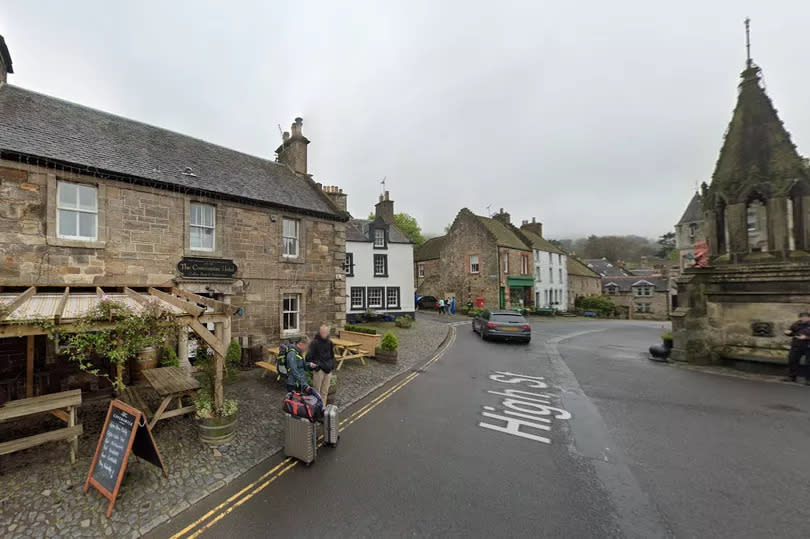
column 379, row 238
column 611, row 289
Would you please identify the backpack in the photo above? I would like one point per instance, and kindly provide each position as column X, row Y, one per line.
column 307, row 404
column 281, row 359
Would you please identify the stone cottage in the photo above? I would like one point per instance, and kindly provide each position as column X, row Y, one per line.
column 479, row 257
column 379, row 265
column 639, row 297
column 88, row 199
column 583, row 282
column 756, row 214
column 689, row 231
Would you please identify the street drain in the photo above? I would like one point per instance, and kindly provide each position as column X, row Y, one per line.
column 783, row 407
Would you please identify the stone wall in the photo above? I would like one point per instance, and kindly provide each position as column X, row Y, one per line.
column 142, row 237
column 580, row 286
column 467, row 237
column 738, row 312
column 430, row 284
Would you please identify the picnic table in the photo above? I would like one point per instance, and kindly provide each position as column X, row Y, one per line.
column 348, row 350
column 170, row 383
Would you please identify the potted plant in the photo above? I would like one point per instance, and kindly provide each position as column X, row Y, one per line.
column 403, row 321
column 216, row 423
column 666, row 339
column 387, row 351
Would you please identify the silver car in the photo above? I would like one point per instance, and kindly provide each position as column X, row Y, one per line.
column 507, row 325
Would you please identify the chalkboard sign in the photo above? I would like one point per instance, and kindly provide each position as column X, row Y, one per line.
column 125, row 430
column 210, row 268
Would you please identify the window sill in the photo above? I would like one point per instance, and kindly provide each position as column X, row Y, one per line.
column 292, row 259
column 84, row 244
column 381, row 275
column 201, row 254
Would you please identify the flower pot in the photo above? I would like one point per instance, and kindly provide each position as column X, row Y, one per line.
column 386, row 356
column 668, row 343
column 217, row 430
column 147, row 359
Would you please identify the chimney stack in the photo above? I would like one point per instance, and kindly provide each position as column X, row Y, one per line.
column 384, row 209
column 293, row 149
column 336, row 194
column 5, row 61
column 534, row 226
column 503, row 217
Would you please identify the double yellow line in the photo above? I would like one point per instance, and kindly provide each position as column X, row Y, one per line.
column 225, row 508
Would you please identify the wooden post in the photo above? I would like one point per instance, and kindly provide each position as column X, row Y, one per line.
column 74, row 443
column 29, row 366
column 226, row 326
column 182, row 348
column 219, row 367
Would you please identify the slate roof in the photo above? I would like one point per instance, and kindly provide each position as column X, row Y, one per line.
column 627, row 282
column 643, row 271
column 694, row 211
column 33, row 124
column 578, row 268
column 604, row 267
column 757, row 148
column 541, row 244
column 430, row 250
column 359, row 230
column 504, row 235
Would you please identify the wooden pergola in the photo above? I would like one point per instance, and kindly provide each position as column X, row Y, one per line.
column 22, row 312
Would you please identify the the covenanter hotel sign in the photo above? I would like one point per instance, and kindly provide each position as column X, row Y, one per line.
column 207, row 268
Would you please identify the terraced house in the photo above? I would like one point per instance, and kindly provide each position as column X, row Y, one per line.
column 88, row 199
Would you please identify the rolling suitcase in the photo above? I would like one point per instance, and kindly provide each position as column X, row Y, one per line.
column 300, row 439
column 331, row 423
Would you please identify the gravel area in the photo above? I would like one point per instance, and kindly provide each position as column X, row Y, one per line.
column 42, row 493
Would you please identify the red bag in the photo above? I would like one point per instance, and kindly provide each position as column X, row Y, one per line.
column 301, row 405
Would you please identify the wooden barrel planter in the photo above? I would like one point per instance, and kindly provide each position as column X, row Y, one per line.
column 217, row 430
column 147, row 359
column 386, row 356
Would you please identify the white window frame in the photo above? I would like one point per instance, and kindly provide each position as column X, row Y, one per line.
column 388, row 303
column 285, row 311
column 475, row 267
column 381, row 304
column 296, row 238
column 379, row 237
column 348, row 262
column 524, row 264
column 76, row 210
column 420, row 270
column 212, row 227
column 384, row 272
column 357, row 306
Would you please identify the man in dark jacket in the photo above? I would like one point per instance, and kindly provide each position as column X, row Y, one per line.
column 322, row 355
column 799, row 347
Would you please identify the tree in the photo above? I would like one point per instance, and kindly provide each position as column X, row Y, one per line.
column 667, row 243
column 408, row 225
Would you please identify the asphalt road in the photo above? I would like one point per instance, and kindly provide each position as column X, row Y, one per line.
column 649, row 450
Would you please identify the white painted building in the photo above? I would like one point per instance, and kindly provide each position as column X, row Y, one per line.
column 379, row 265
column 550, row 269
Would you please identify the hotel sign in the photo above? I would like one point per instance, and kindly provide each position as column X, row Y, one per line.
column 207, row 268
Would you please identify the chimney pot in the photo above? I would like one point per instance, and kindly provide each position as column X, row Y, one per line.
column 534, row 220
column 293, row 149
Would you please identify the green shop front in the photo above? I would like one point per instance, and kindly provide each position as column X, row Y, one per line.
column 520, row 292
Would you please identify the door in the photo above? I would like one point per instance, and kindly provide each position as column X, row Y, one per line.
column 502, row 298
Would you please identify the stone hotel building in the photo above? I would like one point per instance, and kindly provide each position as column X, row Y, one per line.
column 90, row 199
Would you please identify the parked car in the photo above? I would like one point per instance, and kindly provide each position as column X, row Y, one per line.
column 427, row 302
column 507, row 325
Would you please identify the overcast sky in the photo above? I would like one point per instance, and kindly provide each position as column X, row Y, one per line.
column 593, row 117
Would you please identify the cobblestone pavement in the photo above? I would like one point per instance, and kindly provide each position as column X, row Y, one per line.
column 41, row 493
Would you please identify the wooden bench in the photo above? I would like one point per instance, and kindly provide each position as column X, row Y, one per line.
column 62, row 405
column 269, row 367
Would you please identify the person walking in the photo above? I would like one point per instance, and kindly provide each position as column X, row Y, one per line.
column 322, row 355
column 296, row 366
column 441, row 306
column 799, row 347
